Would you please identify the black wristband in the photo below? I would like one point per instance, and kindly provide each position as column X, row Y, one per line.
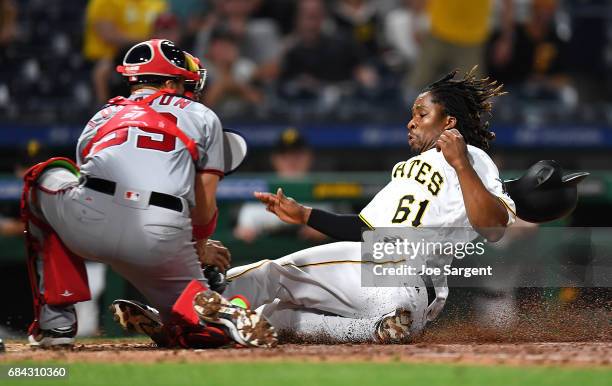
column 342, row 227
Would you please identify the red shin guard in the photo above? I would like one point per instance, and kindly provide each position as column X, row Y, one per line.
column 185, row 329
column 64, row 274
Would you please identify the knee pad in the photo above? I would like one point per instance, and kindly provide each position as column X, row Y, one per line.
column 31, row 177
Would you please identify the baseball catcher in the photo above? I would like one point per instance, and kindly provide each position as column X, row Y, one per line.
column 140, row 198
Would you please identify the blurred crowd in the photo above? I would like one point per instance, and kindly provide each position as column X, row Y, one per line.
column 345, row 60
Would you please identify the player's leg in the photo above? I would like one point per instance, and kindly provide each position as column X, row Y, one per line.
column 398, row 326
column 317, row 327
column 57, row 276
column 320, row 288
column 157, row 256
column 161, row 262
column 465, row 57
column 289, row 278
column 326, row 278
column 161, row 283
column 430, row 64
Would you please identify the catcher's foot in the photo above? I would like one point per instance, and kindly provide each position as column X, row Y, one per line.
column 137, row 317
column 394, row 327
column 55, row 338
column 246, row 327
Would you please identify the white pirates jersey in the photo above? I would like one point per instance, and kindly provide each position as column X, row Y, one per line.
column 155, row 161
column 425, row 192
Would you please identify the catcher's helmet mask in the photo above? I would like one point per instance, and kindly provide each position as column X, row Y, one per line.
column 156, row 60
column 543, row 193
column 194, row 64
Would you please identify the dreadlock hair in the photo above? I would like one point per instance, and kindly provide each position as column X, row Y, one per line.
column 467, row 100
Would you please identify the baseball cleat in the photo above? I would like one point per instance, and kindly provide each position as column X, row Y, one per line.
column 61, row 337
column 137, row 317
column 246, row 327
column 394, row 327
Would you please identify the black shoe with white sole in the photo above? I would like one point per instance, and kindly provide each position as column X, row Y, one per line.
column 246, row 327
column 137, row 317
column 61, row 337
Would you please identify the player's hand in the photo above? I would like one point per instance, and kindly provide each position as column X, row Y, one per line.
column 286, row 208
column 213, row 252
column 453, row 147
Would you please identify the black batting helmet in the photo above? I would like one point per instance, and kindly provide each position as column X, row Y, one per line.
column 543, row 193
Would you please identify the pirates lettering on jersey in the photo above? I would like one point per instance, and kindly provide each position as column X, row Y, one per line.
column 425, row 192
column 420, row 171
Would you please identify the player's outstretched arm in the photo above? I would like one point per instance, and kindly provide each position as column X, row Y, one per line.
column 486, row 213
column 286, row 208
column 339, row 227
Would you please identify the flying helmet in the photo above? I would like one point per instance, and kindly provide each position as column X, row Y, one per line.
column 544, row 193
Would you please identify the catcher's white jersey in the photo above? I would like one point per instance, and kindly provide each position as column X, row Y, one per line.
column 425, row 192
column 156, row 161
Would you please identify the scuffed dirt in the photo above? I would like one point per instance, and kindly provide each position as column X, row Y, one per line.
column 589, row 354
column 543, row 334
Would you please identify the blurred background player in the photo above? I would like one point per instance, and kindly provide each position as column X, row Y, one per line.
column 8, row 21
column 458, row 33
column 165, row 26
column 536, row 69
column 257, row 38
column 112, row 26
column 291, row 158
column 321, row 67
column 404, row 30
column 10, row 218
column 231, row 88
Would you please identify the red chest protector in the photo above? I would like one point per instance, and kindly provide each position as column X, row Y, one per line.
column 140, row 114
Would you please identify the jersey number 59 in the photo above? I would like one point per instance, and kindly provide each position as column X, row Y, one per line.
column 404, row 209
column 166, row 143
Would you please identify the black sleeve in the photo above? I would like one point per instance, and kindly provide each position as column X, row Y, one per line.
column 343, row 227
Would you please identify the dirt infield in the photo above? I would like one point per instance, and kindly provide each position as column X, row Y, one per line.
column 581, row 354
column 560, row 336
